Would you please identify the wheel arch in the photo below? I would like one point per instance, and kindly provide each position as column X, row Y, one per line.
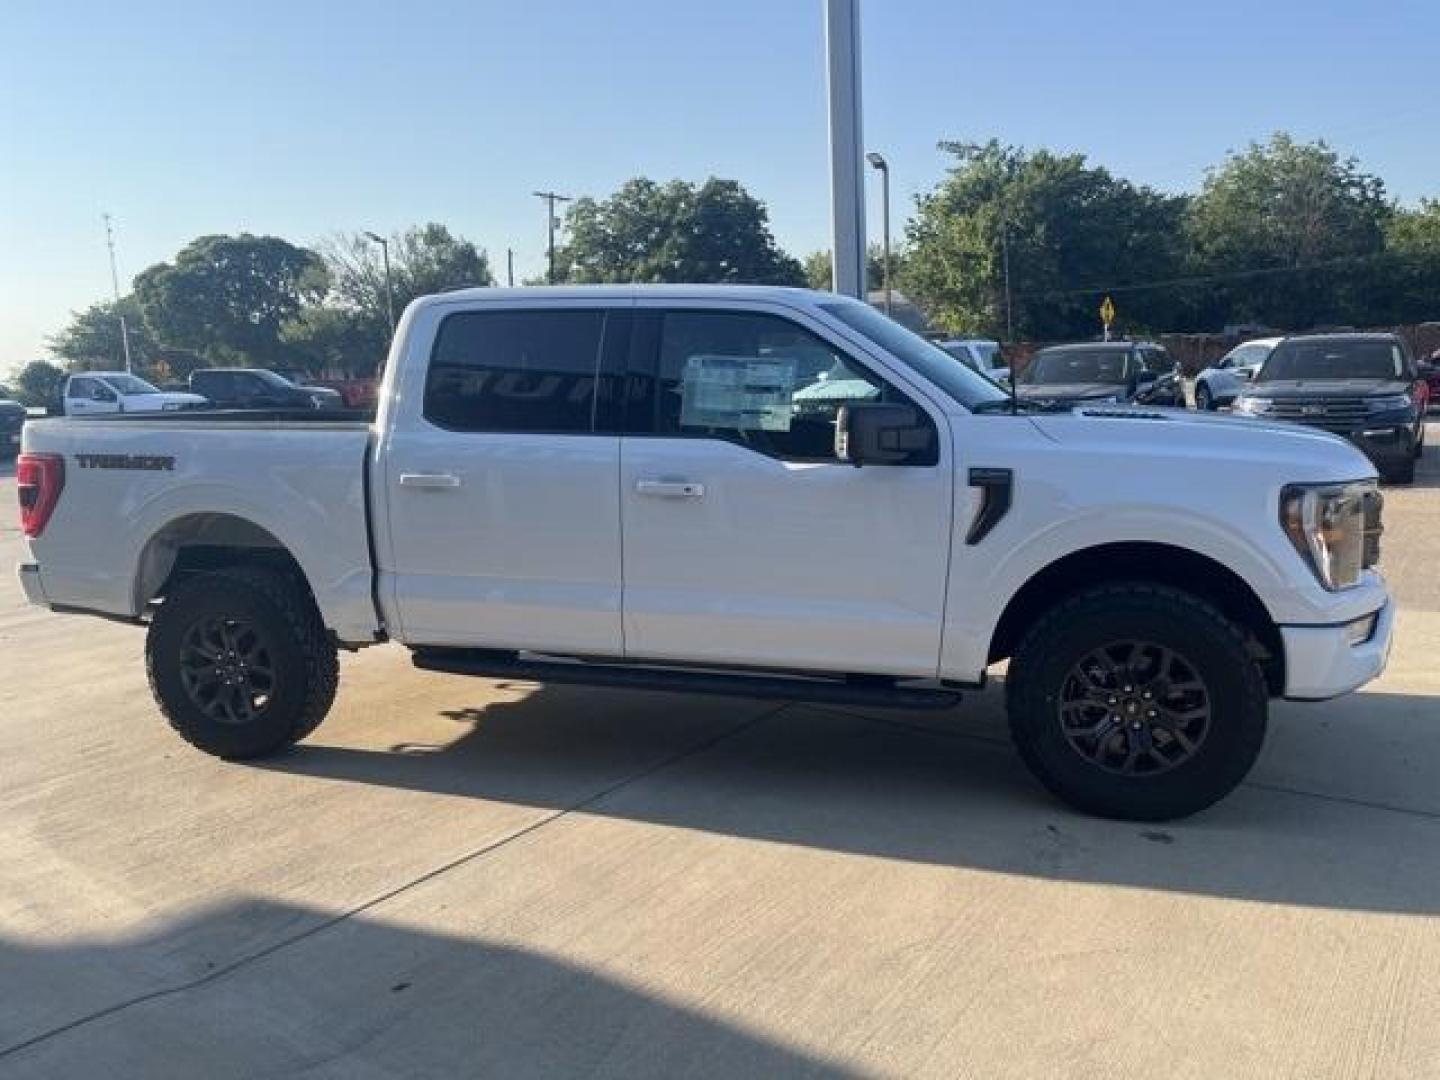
column 199, row 542
column 1158, row 563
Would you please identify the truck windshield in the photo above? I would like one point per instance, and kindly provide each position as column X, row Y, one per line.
column 1333, row 360
column 1059, row 366
column 129, row 384
column 932, row 362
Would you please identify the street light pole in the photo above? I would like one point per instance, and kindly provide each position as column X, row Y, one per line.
column 847, row 167
column 1005, row 252
column 550, row 200
column 115, row 285
column 883, row 167
column 389, row 290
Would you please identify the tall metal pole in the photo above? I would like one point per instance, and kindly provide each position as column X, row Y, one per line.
column 1005, row 251
column 847, row 204
column 883, row 167
column 115, row 285
column 510, row 267
column 389, row 289
column 550, row 200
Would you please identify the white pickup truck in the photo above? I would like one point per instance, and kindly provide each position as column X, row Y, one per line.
column 763, row 492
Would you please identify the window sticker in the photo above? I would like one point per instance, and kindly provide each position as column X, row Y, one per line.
column 747, row 393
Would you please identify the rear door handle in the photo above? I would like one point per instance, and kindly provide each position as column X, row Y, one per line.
column 433, row 481
column 670, row 489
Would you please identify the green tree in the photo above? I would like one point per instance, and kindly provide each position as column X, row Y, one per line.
column 1074, row 233
column 1412, row 268
column 819, row 268
column 38, row 383
column 350, row 330
column 91, row 340
column 226, row 297
column 1293, row 232
column 713, row 232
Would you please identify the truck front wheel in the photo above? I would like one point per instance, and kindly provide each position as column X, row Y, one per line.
column 1136, row 701
column 240, row 663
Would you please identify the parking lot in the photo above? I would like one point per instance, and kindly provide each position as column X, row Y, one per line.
column 466, row 877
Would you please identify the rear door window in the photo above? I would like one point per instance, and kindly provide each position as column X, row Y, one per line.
column 516, row 371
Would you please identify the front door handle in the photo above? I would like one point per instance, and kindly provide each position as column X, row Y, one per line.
column 670, row 489
column 432, row 481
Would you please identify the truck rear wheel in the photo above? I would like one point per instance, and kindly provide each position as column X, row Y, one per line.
column 240, row 663
column 1136, row 701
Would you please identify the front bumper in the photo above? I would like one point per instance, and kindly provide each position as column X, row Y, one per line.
column 29, row 574
column 1321, row 662
column 1386, row 444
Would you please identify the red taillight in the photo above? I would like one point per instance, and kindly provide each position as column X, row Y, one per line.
column 39, row 479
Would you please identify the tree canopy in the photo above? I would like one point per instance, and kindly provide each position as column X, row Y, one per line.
column 227, row 297
column 1292, row 233
column 350, row 327
column 715, row 232
column 1073, row 233
column 92, row 339
column 38, row 383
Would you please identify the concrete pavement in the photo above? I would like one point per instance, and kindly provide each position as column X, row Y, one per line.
column 465, row 877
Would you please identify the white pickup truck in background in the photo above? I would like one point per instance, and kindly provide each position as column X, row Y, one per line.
column 753, row 491
column 95, row 393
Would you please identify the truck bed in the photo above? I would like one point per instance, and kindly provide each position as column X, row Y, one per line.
column 132, row 480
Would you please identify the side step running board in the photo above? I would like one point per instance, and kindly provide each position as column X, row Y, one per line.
column 875, row 692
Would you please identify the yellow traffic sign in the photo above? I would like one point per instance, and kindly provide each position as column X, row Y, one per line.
column 1107, row 311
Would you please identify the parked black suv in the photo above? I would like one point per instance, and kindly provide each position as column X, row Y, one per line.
column 258, row 388
column 12, row 419
column 1100, row 373
column 1361, row 386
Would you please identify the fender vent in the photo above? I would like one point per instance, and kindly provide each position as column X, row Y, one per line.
column 1122, row 414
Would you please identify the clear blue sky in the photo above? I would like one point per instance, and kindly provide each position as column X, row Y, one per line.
column 301, row 118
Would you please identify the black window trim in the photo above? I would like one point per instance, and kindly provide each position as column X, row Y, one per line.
column 607, row 363
column 643, row 360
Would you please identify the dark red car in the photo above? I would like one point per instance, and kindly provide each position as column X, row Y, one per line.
column 1430, row 373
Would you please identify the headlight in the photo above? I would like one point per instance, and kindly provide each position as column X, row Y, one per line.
column 1252, row 406
column 1335, row 528
column 1392, row 403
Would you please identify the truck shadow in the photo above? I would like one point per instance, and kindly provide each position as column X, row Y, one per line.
column 349, row 997
column 943, row 790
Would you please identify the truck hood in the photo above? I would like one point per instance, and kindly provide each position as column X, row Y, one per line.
column 157, row 402
column 1324, row 389
column 1062, row 392
column 1164, row 436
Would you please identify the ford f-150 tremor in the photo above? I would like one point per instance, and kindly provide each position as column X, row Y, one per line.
column 754, row 491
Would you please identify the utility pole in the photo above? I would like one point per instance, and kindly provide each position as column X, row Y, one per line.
column 847, row 165
column 115, row 285
column 510, row 267
column 550, row 221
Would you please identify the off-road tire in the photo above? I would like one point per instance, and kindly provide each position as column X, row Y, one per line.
column 1215, row 647
column 306, row 668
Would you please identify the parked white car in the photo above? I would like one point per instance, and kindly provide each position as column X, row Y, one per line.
column 99, row 392
column 631, row 486
column 979, row 354
column 1220, row 384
